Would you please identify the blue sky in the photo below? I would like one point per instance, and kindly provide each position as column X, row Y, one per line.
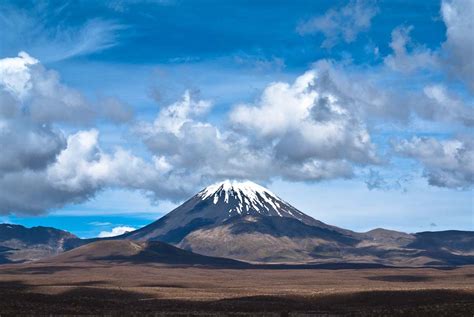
column 359, row 113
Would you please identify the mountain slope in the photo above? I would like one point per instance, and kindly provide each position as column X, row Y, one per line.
column 268, row 239
column 20, row 244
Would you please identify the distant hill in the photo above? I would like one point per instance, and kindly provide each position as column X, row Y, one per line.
column 130, row 252
column 19, row 244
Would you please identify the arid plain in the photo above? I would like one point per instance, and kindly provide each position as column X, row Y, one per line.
column 103, row 288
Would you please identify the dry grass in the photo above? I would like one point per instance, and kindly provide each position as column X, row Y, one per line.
column 104, row 288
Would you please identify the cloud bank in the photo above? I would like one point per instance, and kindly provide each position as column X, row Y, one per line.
column 35, row 106
column 329, row 122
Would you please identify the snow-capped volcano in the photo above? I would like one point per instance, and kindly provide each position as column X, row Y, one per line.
column 243, row 220
column 247, row 198
column 219, row 203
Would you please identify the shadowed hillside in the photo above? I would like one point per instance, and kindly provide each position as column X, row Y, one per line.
column 126, row 251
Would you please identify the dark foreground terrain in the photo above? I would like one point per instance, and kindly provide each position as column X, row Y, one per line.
column 140, row 289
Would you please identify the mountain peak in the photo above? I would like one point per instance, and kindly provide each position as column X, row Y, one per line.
column 242, row 189
column 246, row 197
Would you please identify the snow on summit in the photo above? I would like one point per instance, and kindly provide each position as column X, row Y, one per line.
column 246, row 188
column 246, row 197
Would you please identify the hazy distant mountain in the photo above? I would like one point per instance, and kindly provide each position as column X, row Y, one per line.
column 18, row 244
column 245, row 221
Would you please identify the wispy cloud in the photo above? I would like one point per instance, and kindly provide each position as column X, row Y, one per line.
column 125, row 5
column 341, row 24
column 34, row 32
column 375, row 180
column 94, row 36
column 100, row 223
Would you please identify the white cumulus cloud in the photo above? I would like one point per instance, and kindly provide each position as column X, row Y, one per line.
column 408, row 60
column 458, row 50
column 115, row 231
column 447, row 163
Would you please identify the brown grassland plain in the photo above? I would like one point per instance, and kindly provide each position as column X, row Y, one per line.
column 141, row 289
